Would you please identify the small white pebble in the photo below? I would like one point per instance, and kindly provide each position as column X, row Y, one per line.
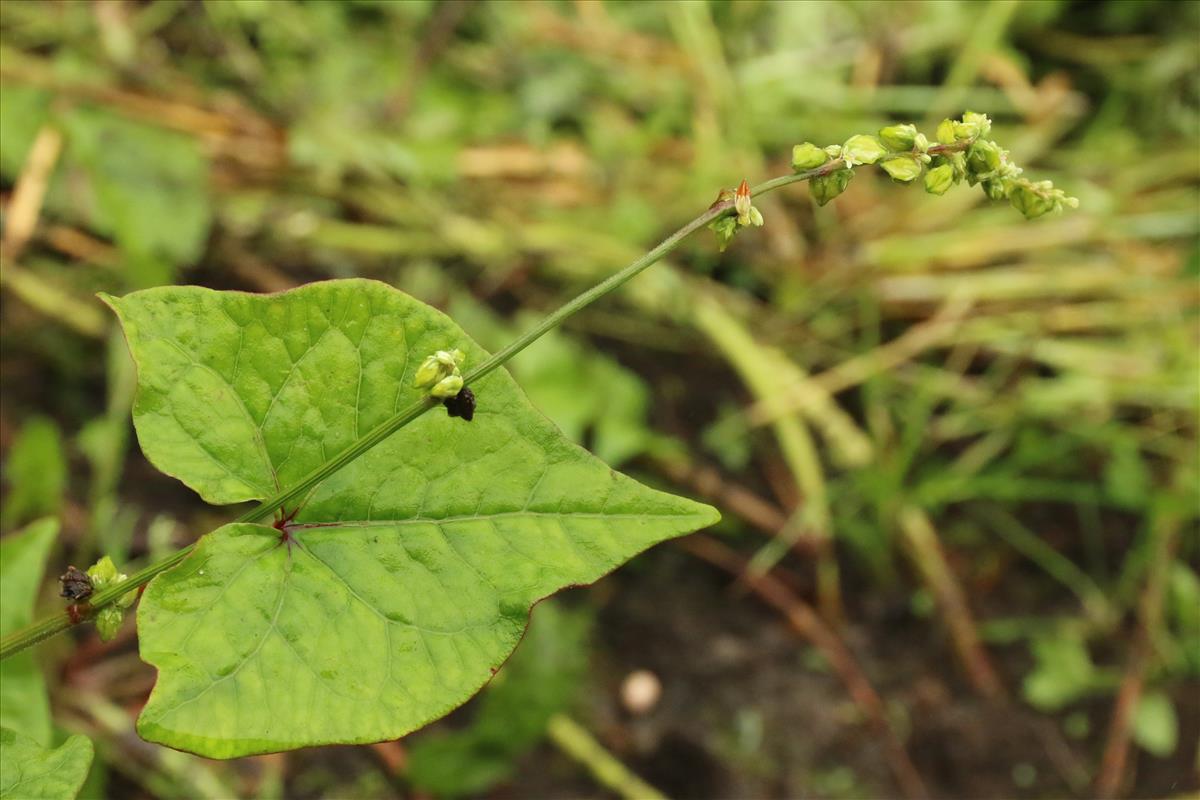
column 640, row 691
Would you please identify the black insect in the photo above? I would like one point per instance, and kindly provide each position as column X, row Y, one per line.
column 461, row 405
column 76, row 585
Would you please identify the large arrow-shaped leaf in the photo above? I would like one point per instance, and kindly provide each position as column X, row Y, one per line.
column 410, row 573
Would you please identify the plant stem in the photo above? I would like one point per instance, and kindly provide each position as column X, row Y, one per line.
column 56, row 623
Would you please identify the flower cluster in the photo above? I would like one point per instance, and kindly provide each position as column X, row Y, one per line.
column 440, row 373
column 961, row 152
column 103, row 574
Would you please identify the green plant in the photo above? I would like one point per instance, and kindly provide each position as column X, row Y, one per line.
column 405, row 550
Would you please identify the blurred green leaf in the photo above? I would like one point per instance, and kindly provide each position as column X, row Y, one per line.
column 36, row 472
column 1063, row 671
column 146, row 187
column 24, row 706
column 29, row 771
column 22, row 112
column 1155, row 724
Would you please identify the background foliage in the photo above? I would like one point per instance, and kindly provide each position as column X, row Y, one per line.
column 970, row 441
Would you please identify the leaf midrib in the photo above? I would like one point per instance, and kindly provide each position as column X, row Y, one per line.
column 392, row 523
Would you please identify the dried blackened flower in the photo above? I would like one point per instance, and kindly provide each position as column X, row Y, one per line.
column 76, row 585
column 461, row 405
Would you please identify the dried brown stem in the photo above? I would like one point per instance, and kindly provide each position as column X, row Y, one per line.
column 1116, row 748
column 921, row 541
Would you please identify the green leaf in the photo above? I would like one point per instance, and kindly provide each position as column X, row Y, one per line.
column 29, row 771
column 22, row 111
column 1064, row 671
column 411, row 571
column 1155, row 725
column 24, row 706
column 36, row 471
column 148, row 188
column 536, row 683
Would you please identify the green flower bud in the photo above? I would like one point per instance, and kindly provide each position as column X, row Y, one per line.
column 994, row 188
column 756, row 218
column 939, row 179
column 862, row 149
column 725, row 228
column 920, row 143
column 959, row 162
column 902, row 168
column 429, row 373
column 826, row 187
column 437, row 367
column 108, row 622
column 980, row 121
column 807, row 156
column 448, row 386
column 898, row 137
column 983, row 159
column 102, row 573
column 1030, row 202
column 945, row 132
column 834, row 150
column 973, row 126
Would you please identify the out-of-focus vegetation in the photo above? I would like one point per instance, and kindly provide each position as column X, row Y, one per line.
column 968, row 441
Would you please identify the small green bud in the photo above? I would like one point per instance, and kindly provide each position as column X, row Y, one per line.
column 920, row 143
column 994, row 188
column 898, row 137
column 980, row 121
column 429, row 373
column 103, row 572
column 902, row 168
column 945, row 132
column 756, row 217
column 448, row 386
column 973, row 126
column 939, row 179
column 834, row 150
column 983, row 159
column 725, row 228
column 807, row 156
column 437, row 367
column 959, row 162
column 826, row 187
column 1030, row 202
column 108, row 622
column 862, row 149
